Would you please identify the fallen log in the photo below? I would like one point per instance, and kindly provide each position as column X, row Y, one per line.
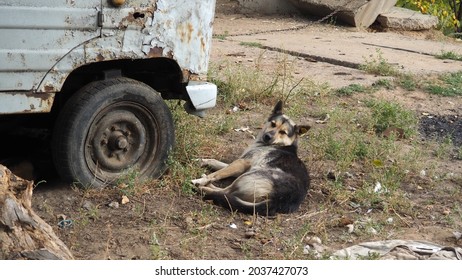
column 23, row 234
column 359, row 13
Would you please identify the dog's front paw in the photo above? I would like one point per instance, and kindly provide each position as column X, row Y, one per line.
column 203, row 181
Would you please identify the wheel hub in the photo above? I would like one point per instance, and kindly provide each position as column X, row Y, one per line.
column 118, row 141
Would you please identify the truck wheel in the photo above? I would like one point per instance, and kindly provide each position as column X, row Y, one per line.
column 110, row 126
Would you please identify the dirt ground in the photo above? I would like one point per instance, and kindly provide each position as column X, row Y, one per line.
column 162, row 222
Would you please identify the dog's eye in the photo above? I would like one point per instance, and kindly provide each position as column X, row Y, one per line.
column 273, row 124
column 283, row 132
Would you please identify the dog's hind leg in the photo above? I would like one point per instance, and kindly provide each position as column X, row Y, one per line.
column 213, row 164
column 210, row 189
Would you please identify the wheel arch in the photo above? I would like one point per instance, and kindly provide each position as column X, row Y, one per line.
column 162, row 74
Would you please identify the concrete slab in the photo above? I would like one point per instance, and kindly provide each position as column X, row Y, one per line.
column 357, row 13
column 405, row 19
column 345, row 46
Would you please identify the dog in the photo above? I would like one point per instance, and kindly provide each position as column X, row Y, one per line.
column 271, row 178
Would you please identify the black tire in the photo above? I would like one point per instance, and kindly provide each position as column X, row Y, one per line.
column 110, row 126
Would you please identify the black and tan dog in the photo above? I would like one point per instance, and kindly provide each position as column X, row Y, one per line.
column 270, row 177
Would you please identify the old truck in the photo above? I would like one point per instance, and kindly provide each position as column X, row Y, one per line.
column 98, row 73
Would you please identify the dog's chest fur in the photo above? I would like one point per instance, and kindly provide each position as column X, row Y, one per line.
column 281, row 158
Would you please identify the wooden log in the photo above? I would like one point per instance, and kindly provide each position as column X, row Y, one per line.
column 359, row 13
column 23, row 234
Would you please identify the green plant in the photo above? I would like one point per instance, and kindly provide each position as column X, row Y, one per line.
column 128, row 182
column 449, row 55
column 392, row 115
column 251, row 44
column 239, row 83
column 378, row 65
column 446, row 85
column 350, row 90
column 222, row 36
column 157, row 251
column 385, row 83
column 407, row 81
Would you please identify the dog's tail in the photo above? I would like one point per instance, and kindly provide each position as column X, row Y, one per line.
column 234, row 203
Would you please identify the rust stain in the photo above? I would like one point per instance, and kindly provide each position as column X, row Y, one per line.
column 49, row 88
column 203, row 44
column 190, row 31
column 186, row 32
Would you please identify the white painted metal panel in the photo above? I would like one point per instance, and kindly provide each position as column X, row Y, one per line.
column 35, row 35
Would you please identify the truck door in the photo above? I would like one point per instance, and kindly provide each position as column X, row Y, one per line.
column 36, row 35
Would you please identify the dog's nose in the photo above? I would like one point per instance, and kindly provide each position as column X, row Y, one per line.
column 267, row 137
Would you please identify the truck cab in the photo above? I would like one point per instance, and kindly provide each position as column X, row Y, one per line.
column 101, row 70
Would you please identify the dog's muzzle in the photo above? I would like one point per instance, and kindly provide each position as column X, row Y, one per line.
column 268, row 137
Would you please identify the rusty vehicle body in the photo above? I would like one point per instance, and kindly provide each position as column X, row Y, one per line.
column 56, row 55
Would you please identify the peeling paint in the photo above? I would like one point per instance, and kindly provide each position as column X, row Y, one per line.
column 25, row 103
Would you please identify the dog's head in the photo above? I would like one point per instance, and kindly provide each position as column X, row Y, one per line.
column 280, row 130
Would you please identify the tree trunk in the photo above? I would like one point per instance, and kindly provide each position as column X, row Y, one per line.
column 359, row 13
column 23, row 234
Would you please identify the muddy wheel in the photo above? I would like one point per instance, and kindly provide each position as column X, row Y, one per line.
column 109, row 127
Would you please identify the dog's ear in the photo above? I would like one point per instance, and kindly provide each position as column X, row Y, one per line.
column 302, row 129
column 278, row 108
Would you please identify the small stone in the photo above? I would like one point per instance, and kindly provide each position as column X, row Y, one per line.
column 125, row 199
column 351, row 228
column 311, row 240
column 306, row 249
column 87, row 205
column 250, row 233
column 457, row 235
column 61, row 217
column 114, row 205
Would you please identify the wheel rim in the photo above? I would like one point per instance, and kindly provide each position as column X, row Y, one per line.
column 122, row 136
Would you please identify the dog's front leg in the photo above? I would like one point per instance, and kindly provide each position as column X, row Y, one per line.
column 213, row 164
column 234, row 169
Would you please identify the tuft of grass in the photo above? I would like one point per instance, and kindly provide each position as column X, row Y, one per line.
column 240, row 83
column 446, row 85
column 384, row 83
column 182, row 161
column 408, row 82
column 350, row 90
column 449, row 55
column 387, row 114
column 251, row 44
column 128, row 182
column 378, row 65
column 222, row 36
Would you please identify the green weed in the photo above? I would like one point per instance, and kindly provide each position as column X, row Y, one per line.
column 446, row 85
column 408, row 82
column 378, row 65
column 251, row 44
column 350, row 90
column 449, row 55
column 392, row 115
